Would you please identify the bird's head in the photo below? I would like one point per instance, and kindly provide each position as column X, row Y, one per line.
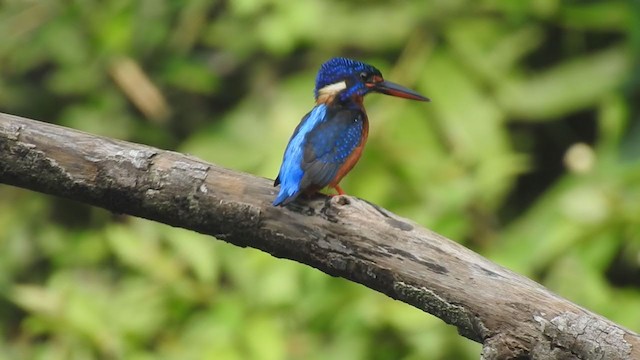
column 345, row 79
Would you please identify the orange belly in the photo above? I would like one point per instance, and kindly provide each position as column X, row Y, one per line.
column 352, row 159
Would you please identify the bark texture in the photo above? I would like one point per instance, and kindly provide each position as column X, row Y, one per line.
column 512, row 316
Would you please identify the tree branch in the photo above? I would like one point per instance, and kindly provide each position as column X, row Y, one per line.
column 511, row 315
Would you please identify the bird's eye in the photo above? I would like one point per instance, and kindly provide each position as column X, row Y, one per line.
column 364, row 75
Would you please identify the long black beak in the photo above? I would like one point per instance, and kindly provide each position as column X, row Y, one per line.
column 393, row 89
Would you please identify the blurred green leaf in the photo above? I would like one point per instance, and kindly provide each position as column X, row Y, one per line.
column 607, row 16
column 567, row 87
column 528, row 154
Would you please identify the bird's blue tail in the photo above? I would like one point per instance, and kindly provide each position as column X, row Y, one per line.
column 284, row 197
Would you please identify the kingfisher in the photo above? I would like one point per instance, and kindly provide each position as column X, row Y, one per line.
column 328, row 141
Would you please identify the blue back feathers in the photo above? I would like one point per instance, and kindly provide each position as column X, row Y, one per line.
column 291, row 171
column 320, row 146
column 342, row 69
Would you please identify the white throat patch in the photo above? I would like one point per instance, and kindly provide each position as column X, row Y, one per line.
column 333, row 88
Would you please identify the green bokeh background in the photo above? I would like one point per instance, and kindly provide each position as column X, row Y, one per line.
column 528, row 154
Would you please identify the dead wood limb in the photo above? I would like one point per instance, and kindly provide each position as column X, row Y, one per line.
column 511, row 315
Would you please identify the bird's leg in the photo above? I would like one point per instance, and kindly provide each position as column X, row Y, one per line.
column 339, row 190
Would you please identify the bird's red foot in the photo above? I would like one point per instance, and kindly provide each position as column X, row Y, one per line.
column 339, row 190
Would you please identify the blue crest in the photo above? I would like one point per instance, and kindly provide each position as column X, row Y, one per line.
column 340, row 69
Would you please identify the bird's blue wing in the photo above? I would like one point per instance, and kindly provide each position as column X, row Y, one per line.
column 328, row 145
column 317, row 150
column 291, row 172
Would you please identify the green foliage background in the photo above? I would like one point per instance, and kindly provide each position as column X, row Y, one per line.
column 528, row 154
